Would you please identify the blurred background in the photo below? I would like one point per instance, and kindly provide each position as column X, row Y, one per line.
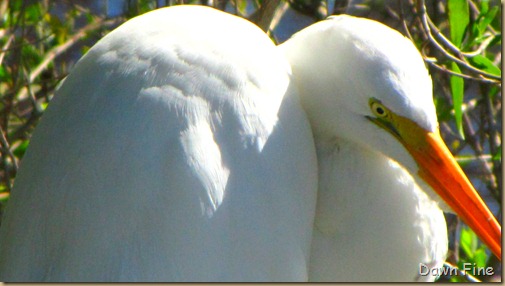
column 460, row 41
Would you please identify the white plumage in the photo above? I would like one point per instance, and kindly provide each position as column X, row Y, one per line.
column 178, row 150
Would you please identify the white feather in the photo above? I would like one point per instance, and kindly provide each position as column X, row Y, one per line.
column 178, row 150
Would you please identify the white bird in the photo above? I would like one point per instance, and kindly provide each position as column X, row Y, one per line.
column 186, row 146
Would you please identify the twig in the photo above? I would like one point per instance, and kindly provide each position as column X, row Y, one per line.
column 444, row 69
column 6, row 46
column 3, row 7
column 433, row 29
column 471, row 135
column 468, row 276
column 6, row 152
column 37, row 108
column 426, row 26
column 58, row 50
column 404, row 22
column 264, row 15
column 26, row 42
column 471, row 140
column 21, row 131
column 454, row 49
column 493, row 144
column 279, row 13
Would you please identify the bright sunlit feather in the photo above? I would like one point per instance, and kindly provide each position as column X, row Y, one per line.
column 178, row 150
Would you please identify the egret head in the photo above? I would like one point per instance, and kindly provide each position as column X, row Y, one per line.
column 346, row 68
column 362, row 81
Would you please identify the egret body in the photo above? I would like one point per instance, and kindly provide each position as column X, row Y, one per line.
column 185, row 146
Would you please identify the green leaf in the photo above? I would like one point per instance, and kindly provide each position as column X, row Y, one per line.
column 459, row 17
column 3, row 73
column 484, row 6
column 485, row 64
column 443, row 109
column 480, row 257
column 21, row 149
column 457, row 89
column 465, row 241
column 16, row 5
column 487, row 19
column 33, row 13
column 473, row 253
column 31, row 56
column 496, row 40
column 4, row 196
column 497, row 156
column 241, row 7
column 89, row 17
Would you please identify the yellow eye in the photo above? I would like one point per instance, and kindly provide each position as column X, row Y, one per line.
column 378, row 109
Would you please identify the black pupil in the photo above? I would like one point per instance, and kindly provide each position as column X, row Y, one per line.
column 380, row 111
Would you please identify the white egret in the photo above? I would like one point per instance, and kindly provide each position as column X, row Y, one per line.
column 178, row 150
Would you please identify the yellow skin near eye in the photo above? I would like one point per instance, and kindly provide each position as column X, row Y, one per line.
column 438, row 168
column 408, row 132
column 385, row 118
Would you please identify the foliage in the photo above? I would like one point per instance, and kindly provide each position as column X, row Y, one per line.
column 473, row 259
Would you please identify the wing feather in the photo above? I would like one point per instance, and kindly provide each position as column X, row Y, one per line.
column 176, row 150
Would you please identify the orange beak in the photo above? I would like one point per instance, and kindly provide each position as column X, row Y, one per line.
column 441, row 171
